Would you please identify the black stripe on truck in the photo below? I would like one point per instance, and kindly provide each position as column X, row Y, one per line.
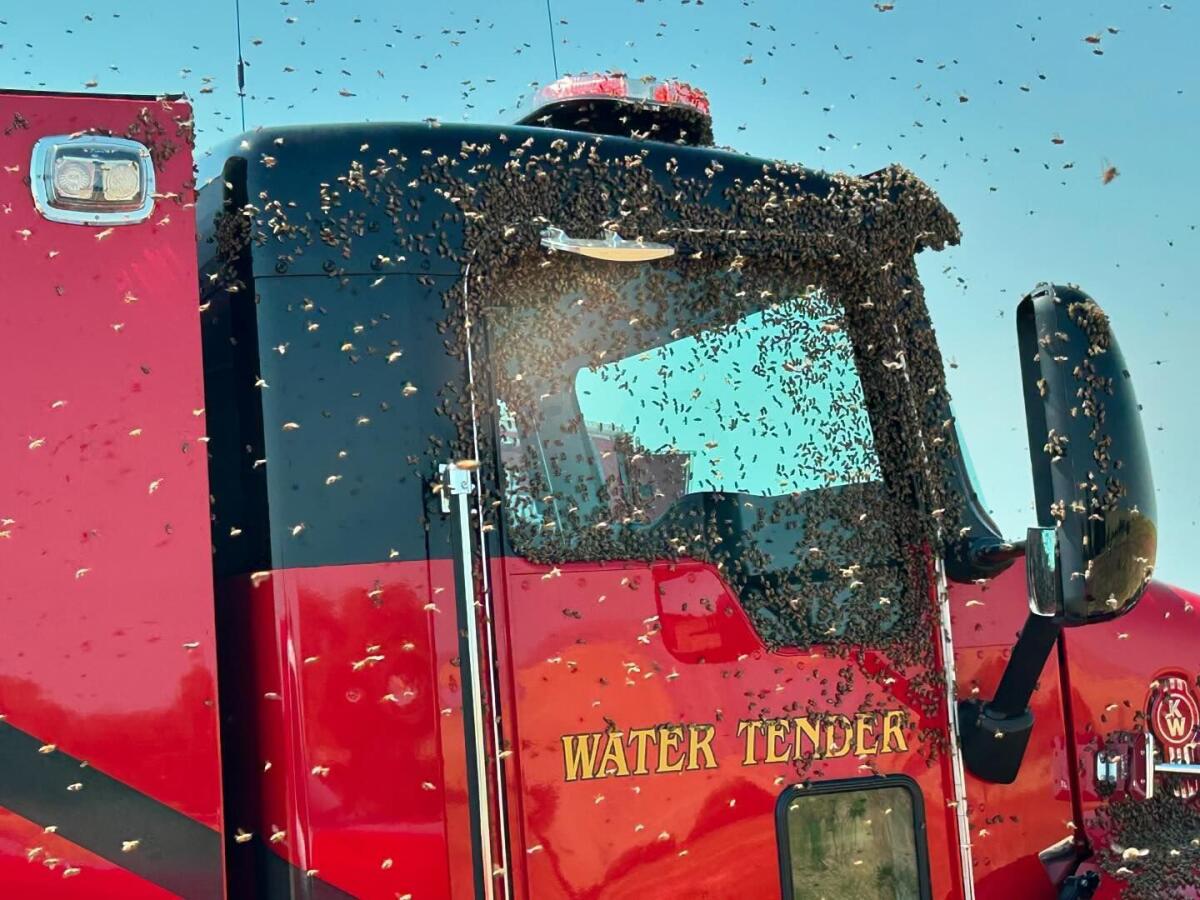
column 174, row 851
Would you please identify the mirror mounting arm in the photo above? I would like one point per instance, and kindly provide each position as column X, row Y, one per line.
column 1029, row 655
column 995, row 733
column 995, row 555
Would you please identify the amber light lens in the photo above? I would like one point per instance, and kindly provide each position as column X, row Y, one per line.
column 111, row 182
column 120, row 181
column 74, row 178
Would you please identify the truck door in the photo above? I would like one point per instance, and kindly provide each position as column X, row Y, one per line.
column 343, row 734
column 699, row 578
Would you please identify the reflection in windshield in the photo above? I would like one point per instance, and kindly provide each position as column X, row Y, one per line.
column 724, row 404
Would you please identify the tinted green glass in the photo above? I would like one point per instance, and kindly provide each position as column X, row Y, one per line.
column 858, row 844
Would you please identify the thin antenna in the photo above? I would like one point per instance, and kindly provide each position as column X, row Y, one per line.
column 241, row 72
column 553, row 49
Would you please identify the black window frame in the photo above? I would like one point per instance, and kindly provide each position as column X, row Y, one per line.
column 845, row 786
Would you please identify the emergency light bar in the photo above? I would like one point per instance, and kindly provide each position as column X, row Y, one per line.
column 614, row 104
column 648, row 90
column 92, row 180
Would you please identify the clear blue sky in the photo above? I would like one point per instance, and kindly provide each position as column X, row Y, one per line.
column 967, row 94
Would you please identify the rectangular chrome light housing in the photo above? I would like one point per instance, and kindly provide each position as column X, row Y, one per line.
column 92, row 180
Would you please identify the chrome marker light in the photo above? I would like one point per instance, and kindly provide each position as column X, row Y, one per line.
column 92, row 180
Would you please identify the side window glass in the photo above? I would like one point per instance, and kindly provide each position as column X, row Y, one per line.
column 731, row 410
column 698, row 410
column 861, row 838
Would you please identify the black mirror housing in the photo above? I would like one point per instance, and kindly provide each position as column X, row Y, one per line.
column 1093, row 552
column 1091, row 470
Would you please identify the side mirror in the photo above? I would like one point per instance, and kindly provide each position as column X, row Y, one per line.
column 1093, row 551
column 1091, row 472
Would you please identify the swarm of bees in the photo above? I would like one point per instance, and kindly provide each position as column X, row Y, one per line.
column 711, row 363
column 772, row 478
column 795, row 461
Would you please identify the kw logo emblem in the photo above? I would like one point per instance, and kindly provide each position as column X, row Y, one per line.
column 1175, row 718
column 1175, row 715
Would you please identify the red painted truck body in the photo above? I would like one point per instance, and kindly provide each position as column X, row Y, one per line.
column 241, row 484
column 108, row 654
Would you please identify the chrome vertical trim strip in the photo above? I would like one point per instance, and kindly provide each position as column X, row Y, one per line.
column 485, row 598
column 458, row 482
column 945, row 636
column 957, row 773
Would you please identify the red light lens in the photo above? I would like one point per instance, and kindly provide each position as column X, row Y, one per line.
column 667, row 93
column 584, row 86
column 683, row 93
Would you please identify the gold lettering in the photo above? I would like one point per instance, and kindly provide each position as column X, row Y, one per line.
column 893, row 727
column 772, row 741
column 669, row 739
column 812, row 731
column 864, row 725
column 579, row 755
column 831, row 751
column 749, row 727
column 777, row 731
column 702, row 736
column 614, row 753
column 638, row 737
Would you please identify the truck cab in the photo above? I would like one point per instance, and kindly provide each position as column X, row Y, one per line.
column 589, row 519
column 733, row 672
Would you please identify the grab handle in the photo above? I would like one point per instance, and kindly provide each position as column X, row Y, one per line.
column 613, row 247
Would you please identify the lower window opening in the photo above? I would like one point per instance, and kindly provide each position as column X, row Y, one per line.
column 861, row 838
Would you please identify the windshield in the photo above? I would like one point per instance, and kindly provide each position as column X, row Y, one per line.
column 702, row 411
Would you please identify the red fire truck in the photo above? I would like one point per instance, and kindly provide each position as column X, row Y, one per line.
column 566, row 508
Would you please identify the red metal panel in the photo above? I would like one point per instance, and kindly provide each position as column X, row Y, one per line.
column 582, row 651
column 107, row 648
column 35, row 863
column 353, row 697
column 1117, row 663
column 1012, row 823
